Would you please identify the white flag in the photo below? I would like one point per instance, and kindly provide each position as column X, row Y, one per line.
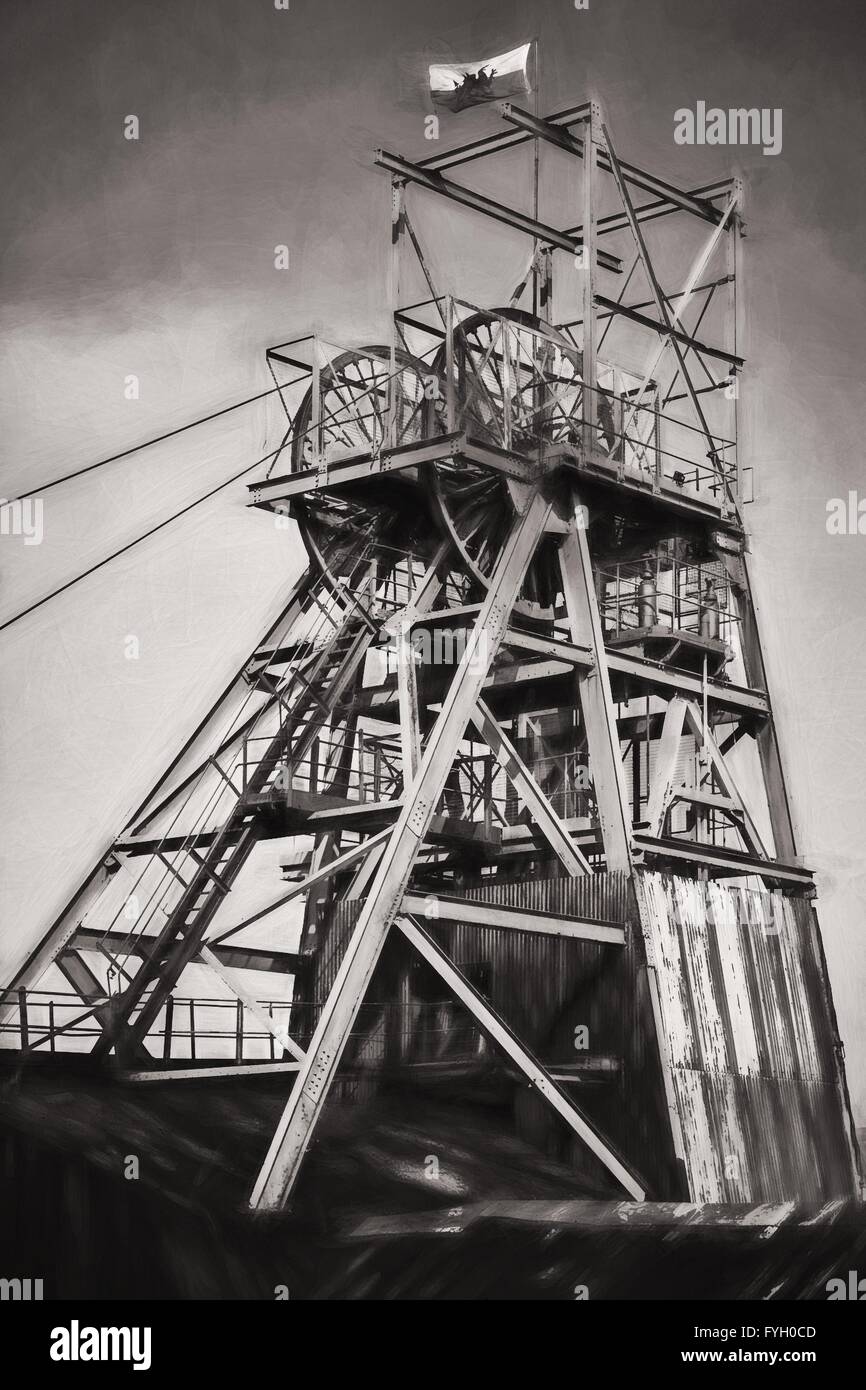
column 458, row 85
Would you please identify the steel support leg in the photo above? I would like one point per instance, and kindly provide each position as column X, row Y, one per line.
column 282, row 1163
column 666, row 765
column 596, row 703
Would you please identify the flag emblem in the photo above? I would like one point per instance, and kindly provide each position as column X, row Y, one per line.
column 457, row 86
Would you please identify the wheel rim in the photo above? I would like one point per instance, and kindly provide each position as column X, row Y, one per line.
column 354, row 409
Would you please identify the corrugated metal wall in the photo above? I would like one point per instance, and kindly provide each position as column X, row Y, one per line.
column 718, row 1012
column 545, row 987
column 748, row 1041
column 602, row 897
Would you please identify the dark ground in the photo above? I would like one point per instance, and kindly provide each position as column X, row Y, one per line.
column 500, row 1221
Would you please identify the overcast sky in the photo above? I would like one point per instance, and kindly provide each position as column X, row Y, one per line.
column 156, row 258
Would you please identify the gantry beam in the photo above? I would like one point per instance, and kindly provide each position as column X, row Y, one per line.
column 211, row 1073
column 236, row 957
column 79, row 975
column 352, row 469
column 573, row 144
column 472, row 912
column 669, row 199
column 721, row 354
column 731, row 699
column 729, row 861
column 168, row 844
column 736, row 698
column 662, row 493
column 521, row 222
column 252, row 1006
column 356, row 468
column 495, row 144
column 649, row 212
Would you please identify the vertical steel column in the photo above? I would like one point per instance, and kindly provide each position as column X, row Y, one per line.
column 316, row 413
column 397, row 186
column 596, row 702
column 666, row 765
column 239, row 1032
column 166, row 1028
column 781, row 821
column 732, row 314
column 419, row 600
column 592, row 138
column 407, row 695
column 545, row 299
column 450, row 404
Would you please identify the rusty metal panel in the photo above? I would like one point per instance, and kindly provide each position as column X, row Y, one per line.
column 747, row 1041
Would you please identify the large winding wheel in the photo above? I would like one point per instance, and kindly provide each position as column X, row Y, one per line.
column 517, row 385
column 354, row 408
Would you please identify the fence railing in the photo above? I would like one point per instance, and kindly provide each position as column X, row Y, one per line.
column 50, row 1021
column 205, row 1029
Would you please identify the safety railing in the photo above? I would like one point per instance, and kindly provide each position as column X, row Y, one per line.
column 661, row 592
column 520, row 387
column 48, row 1021
column 366, row 769
column 210, row 1029
column 455, row 367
